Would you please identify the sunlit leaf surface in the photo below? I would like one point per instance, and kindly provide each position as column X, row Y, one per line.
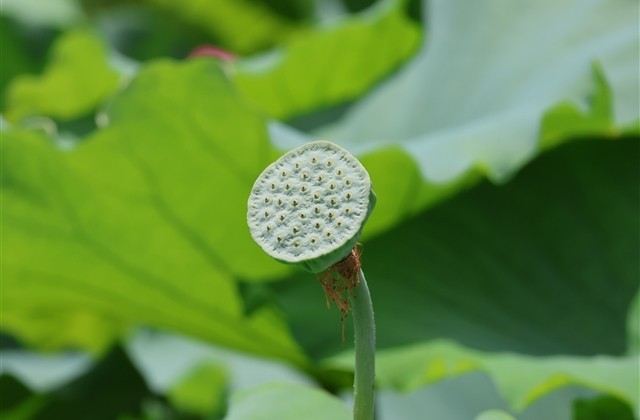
column 76, row 80
column 111, row 229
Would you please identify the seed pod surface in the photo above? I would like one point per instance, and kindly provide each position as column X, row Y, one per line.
column 310, row 205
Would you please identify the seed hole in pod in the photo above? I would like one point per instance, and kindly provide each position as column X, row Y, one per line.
column 287, row 186
column 316, row 196
column 313, row 240
column 333, row 201
column 305, row 176
column 281, row 217
column 302, row 215
column 284, row 173
column 316, row 210
column 330, row 215
column 296, row 244
column 296, row 230
column 347, row 181
column 339, row 224
column 268, row 228
column 317, row 225
column 279, row 239
column 272, row 186
column 297, row 165
column 319, row 177
column 339, row 172
column 304, row 188
column 266, row 214
column 328, row 234
column 294, row 202
column 346, row 211
column 314, row 159
column 329, row 163
column 266, row 199
column 348, row 196
column 332, row 186
column 279, row 201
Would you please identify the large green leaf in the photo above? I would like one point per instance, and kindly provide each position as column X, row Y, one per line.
column 476, row 95
column 544, row 265
column 328, row 66
column 76, row 80
column 286, row 402
column 143, row 223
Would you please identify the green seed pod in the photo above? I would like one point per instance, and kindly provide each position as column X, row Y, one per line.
column 309, row 206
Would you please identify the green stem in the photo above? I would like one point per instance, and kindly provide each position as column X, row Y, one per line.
column 365, row 343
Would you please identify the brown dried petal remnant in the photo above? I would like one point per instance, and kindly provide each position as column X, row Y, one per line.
column 339, row 280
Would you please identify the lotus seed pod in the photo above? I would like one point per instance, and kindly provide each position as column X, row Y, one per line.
column 309, row 207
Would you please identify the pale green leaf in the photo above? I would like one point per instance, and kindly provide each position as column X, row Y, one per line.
column 143, row 223
column 77, row 79
column 286, row 402
column 520, row 379
column 36, row 13
column 476, row 95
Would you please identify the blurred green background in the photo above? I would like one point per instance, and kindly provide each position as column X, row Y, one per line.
column 502, row 258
